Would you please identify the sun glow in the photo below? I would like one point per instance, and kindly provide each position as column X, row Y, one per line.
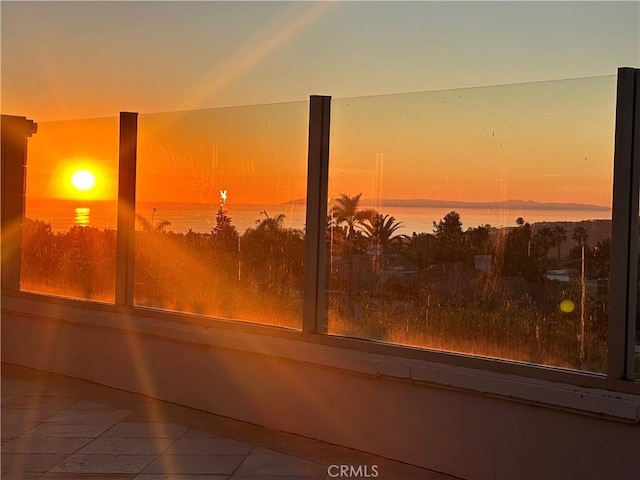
column 83, row 180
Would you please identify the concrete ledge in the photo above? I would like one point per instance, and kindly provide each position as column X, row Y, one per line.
column 467, row 422
column 620, row 406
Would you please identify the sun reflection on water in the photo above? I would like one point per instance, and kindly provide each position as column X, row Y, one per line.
column 83, row 216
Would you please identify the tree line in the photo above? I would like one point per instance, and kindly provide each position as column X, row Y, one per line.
column 518, row 251
column 259, row 276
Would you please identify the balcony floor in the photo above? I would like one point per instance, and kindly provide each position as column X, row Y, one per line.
column 57, row 427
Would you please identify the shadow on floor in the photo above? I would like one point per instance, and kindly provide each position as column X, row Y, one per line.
column 57, row 427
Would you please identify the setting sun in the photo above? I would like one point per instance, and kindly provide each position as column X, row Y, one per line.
column 83, row 180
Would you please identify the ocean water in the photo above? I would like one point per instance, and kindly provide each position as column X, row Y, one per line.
column 64, row 214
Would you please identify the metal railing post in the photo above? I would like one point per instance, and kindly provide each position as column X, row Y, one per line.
column 624, row 229
column 314, row 303
column 13, row 140
column 125, row 250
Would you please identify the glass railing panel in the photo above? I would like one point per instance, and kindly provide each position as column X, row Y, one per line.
column 475, row 220
column 220, row 210
column 69, row 233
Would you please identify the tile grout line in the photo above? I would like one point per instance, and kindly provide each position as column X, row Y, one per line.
column 248, row 454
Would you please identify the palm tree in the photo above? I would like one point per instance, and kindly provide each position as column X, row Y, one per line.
column 346, row 211
column 544, row 239
column 559, row 236
column 270, row 224
column 580, row 235
column 148, row 226
column 381, row 229
column 272, row 255
column 365, row 215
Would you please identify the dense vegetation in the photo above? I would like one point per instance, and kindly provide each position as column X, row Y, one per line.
column 256, row 276
column 482, row 290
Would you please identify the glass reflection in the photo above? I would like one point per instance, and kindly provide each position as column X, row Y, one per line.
column 69, row 238
column 475, row 220
column 220, row 212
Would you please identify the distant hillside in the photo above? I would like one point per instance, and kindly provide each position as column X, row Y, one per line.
column 510, row 204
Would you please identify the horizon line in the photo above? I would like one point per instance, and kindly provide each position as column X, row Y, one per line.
column 531, row 204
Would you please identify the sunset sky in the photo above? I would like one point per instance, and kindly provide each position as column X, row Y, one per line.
column 94, row 59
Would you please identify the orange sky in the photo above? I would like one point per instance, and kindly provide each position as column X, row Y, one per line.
column 64, row 60
column 548, row 142
column 258, row 154
column 59, row 149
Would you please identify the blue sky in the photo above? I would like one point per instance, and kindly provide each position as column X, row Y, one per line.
column 90, row 59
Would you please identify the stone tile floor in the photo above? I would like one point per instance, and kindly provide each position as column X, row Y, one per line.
column 63, row 428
